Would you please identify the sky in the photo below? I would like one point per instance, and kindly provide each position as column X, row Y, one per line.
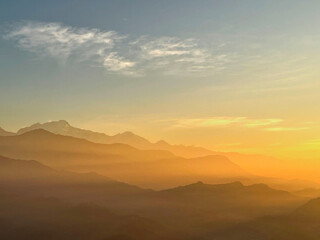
column 227, row 75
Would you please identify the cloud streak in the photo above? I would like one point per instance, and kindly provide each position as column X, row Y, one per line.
column 116, row 52
column 184, row 54
column 221, row 122
column 262, row 124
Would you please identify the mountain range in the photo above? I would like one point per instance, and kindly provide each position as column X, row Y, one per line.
column 254, row 163
column 260, row 165
column 62, row 127
column 302, row 223
column 147, row 168
column 237, row 165
column 50, row 218
column 32, row 179
column 48, row 199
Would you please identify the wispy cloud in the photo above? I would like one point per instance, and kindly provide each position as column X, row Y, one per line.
column 116, row 63
column 261, row 124
column 59, row 41
column 218, row 122
column 165, row 46
column 282, row 129
column 179, row 55
column 116, row 52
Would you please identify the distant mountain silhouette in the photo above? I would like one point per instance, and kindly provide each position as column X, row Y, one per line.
column 178, row 213
column 220, row 162
column 302, row 223
column 42, row 141
column 310, row 209
column 29, row 177
column 184, row 151
column 31, row 170
column 5, row 133
column 215, row 204
column 48, row 218
column 308, row 192
column 62, row 127
column 235, row 191
column 259, row 165
column 119, row 161
column 8, row 165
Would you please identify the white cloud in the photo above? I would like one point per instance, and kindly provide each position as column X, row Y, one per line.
column 174, row 55
column 59, row 41
column 115, row 52
column 115, row 63
column 165, row 46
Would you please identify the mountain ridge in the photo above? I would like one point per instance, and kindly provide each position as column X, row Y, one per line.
column 301, row 223
column 251, row 163
column 5, row 133
column 114, row 160
column 62, row 127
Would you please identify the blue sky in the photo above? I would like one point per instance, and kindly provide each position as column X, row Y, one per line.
column 164, row 69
